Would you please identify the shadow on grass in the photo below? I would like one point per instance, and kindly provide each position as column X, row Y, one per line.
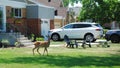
column 65, row 61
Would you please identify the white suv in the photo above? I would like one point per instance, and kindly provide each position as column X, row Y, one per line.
column 79, row 30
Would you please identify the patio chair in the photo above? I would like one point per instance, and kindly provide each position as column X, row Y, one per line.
column 86, row 43
column 68, row 42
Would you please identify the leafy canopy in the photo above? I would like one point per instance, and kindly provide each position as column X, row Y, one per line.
column 102, row 11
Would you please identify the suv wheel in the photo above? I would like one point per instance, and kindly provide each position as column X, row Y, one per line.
column 55, row 37
column 89, row 37
column 115, row 39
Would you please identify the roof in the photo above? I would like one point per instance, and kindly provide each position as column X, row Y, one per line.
column 25, row 1
column 20, row 0
column 83, row 23
column 53, row 3
column 57, row 4
column 39, row 4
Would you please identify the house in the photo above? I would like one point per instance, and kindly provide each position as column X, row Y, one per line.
column 40, row 19
column 25, row 16
column 74, row 11
column 60, row 11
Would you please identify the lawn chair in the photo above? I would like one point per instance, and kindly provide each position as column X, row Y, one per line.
column 104, row 43
column 68, row 42
column 86, row 43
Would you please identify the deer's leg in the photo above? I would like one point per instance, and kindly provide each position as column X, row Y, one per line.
column 38, row 51
column 33, row 50
column 45, row 50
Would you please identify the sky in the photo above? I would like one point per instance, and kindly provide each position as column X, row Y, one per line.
column 76, row 5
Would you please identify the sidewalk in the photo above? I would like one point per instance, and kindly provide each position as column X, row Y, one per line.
column 52, row 45
column 63, row 44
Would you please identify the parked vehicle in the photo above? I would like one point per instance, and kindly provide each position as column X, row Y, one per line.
column 113, row 36
column 78, row 30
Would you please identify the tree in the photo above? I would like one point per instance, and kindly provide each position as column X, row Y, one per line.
column 101, row 11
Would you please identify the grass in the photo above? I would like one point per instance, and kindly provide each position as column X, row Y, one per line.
column 61, row 57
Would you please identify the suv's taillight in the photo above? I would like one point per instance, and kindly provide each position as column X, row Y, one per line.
column 98, row 29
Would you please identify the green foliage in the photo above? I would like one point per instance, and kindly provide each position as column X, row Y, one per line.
column 17, row 44
column 12, row 15
column 102, row 11
column 5, row 43
column 31, row 37
column 39, row 39
column 65, row 2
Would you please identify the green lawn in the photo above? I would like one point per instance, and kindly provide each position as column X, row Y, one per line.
column 61, row 57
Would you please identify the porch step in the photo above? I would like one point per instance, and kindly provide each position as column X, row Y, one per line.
column 25, row 41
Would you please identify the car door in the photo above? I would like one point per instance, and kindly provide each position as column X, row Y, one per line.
column 67, row 30
column 77, row 31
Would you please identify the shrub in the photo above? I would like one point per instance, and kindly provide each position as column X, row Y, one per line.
column 39, row 39
column 5, row 43
column 19, row 44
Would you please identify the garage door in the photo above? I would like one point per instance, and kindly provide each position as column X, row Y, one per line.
column 45, row 27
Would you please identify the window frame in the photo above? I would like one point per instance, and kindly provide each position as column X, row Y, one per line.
column 17, row 12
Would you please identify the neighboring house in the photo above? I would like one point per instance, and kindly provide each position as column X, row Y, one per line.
column 73, row 12
column 25, row 16
column 60, row 11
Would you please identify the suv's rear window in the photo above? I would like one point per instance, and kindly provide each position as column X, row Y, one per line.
column 98, row 25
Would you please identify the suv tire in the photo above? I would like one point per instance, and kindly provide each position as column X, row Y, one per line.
column 55, row 37
column 115, row 39
column 89, row 37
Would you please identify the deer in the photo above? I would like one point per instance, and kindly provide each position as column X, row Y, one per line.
column 40, row 44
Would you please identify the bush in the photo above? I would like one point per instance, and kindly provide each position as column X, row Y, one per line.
column 31, row 37
column 105, row 30
column 39, row 39
column 19, row 44
column 5, row 43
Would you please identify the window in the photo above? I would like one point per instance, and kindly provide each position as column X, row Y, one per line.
column 56, row 12
column 97, row 25
column 81, row 25
column 68, row 26
column 17, row 12
column 49, row 0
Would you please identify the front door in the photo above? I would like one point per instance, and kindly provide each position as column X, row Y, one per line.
column 45, row 27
